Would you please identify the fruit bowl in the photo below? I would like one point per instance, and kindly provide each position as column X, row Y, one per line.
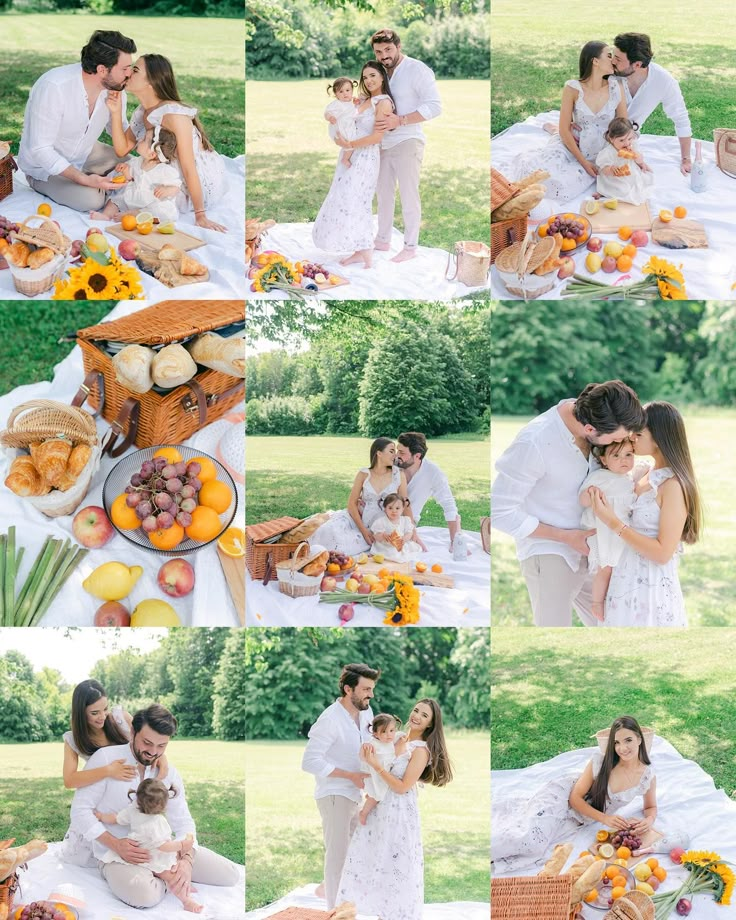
column 568, row 218
column 345, row 567
column 120, row 476
column 601, row 903
column 54, row 909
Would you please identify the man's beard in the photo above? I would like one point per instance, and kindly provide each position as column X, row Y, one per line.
column 149, row 761
column 107, row 83
column 403, row 464
column 622, row 73
column 359, row 703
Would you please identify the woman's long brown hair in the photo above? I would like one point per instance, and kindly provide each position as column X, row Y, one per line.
column 667, row 428
column 438, row 771
column 85, row 694
column 597, row 795
column 160, row 74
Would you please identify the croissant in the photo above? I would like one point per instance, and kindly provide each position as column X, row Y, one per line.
column 51, row 457
column 133, row 367
column 344, row 911
column 224, row 355
column 14, row 857
column 190, row 266
column 40, row 257
column 172, row 366
column 317, row 565
column 18, row 254
column 24, row 479
column 78, row 459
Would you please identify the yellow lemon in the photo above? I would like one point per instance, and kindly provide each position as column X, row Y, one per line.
column 154, row 613
column 112, row 580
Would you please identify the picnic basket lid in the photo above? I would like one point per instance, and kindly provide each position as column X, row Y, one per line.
column 501, row 189
column 166, row 322
column 302, row 555
column 267, row 529
column 300, row 913
column 48, row 234
column 521, row 898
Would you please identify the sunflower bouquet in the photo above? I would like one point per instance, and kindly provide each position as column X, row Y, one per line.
column 275, row 272
column 100, row 277
column 661, row 279
column 400, row 600
column 708, row 873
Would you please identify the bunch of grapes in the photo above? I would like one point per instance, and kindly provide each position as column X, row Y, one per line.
column 340, row 558
column 569, row 228
column 311, row 270
column 626, row 839
column 162, row 492
column 7, row 227
column 41, row 910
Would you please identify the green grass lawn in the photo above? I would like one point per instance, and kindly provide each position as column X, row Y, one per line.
column 207, row 55
column 300, row 476
column 535, row 49
column 291, row 159
column 706, row 569
column 34, row 802
column 551, row 692
column 284, row 834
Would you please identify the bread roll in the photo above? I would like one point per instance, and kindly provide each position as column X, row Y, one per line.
column 169, row 253
column 40, row 257
column 133, row 367
column 224, row 355
column 51, row 457
column 172, row 366
column 24, row 479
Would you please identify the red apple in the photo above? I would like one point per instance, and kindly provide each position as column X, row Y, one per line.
column 112, row 613
column 567, row 268
column 608, row 264
column 639, row 238
column 328, row 583
column 129, row 250
column 176, row 578
column 91, row 527
column 595, row 244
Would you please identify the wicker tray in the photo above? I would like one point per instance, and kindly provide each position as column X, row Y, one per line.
column 524, row 898
column 260, row 555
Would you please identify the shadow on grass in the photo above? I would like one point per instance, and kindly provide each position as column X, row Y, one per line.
column 291, row 187
column 285, row 863
column 221, row 103
column 530, row 80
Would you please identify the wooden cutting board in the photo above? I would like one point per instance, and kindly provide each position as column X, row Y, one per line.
column 166, row 271
column 636, row 216
column 433, row 579
column 155, row 240
column 234, row 570
column 679, row 234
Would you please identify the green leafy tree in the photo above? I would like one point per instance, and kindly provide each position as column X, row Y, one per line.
column 194, row 656
column 716, row 369
column 228, row 718
column 470, row 697
column 121, row 674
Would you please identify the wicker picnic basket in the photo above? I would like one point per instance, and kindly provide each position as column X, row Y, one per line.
column 41, row 419
column 521, row 898
column 263, row 548
column 168, row 416
column 294, row 583
column 472, row 263
column 504, row 232
column 32, row 281
column 725, row 144
column 7, row 168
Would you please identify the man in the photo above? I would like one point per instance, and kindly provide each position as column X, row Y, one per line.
column 535, row 495
column 417, row 100
column 65, row 115
column 136, row 885
column 425, row 480
column 332, row 756
column 646, row 84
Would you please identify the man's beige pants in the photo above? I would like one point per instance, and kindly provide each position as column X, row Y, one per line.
column 401, row 164
column 339, row 820
column 554, row 589
column 80, row 197
column 139, row 887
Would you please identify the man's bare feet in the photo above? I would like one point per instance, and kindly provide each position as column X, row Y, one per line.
column 191, row 905
column 404, row 255
column 381, row 247
column 319, row 891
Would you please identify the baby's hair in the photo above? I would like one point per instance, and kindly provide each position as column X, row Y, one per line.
column 600, row 451
column 384, row 720
column 620, row 127
column 391, row 498
column 166, row 143
column 338, row 84
column 152, row 796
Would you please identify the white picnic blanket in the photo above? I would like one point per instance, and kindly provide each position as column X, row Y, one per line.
column 305, row 897
column 209, row 604
column 686, row 797
column 421, row 278
column 47, row 872
column 223, row 254
column 467, row 604
column 709, row 273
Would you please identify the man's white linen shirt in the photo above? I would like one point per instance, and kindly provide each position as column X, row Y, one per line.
column 334, row 742
column 414, row 89
column 430, row 482
column 659, row 86
column 111, row 795
column 539, row 476
column 58, row 130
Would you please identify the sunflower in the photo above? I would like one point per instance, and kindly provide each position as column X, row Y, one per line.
column 70, row 290
column 100, row 280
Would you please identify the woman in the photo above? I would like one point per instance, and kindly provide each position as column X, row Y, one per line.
column 345, row 220
column 645, row 587
column 384, row 867
column 348, row 531
column 203, row 171
column 588, row 103
column 524, row 829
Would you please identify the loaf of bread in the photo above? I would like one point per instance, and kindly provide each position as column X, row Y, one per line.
column 172, row 366
column 190, row 266
column 133, row 367
column 318, row 565
column 24, row 479
column 224, row 355
column 307, row 527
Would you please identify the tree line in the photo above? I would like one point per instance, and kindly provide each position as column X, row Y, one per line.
column 221, row 8
column 293, row 674
column 198, row 674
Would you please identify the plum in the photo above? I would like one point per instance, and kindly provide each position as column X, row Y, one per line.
column 683, row 907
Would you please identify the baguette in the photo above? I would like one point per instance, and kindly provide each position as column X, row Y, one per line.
column 589, row 879
column 539, row 175
column 219, row 354
column 579, row 866
column 520, row 204
column 14, row 857
column 557, row 860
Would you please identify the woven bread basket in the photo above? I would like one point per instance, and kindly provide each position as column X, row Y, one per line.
column 48, row 234
column 261, row 557
column 634, row 905
column 294, row 583
column 527, row 897
column 10, row 885
column 33, row 281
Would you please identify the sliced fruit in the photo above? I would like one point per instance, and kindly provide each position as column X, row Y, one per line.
column 144, row 217
column 606, row 850
column 118, row 180
column 592, row 206
column 168, row 227
column 232, row 542
column 421, row 566
column 378, row 557
column 611, row 204
column 145, row 229
column 601, row 836
column 665, row 215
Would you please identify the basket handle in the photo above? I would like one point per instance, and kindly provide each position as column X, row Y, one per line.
column 45, row 220
column 127, row 417
column 451, row 255
column 93, row 378
column 38, row 404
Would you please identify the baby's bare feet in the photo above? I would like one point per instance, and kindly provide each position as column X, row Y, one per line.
column 191, row 905
column 98, row 215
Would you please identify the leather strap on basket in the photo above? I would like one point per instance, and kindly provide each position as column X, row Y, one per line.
column 457, row 264
column 200, row 401
column 127, row 420
column 93, row 378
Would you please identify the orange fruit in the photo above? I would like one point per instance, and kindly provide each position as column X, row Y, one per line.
column 383, row 573
column 232, row 542
column 205, row 525
column 652, row 862
column 437, row 567
column 601, row 836
column 543, row 230
column 623, row 853
column 118, row 180
column 660, row 873
column 680, row 211
column 122, row 516
column 145, row 229
column 619, row 881
column 584, row 853
column 665, row 216
column 167, row 539
column 624, row 233
column 127, row 221
column 215, row 494
column 591, row 896
column 333, row 568
column 624, row 263
column 421, row 566
column 208, row 471
column 568, row 245
column 569, row 216
column 611, row 872
column 617, row 893
column 44, row 210
column 378, row 587
column 629, row 250
column 171, row 454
